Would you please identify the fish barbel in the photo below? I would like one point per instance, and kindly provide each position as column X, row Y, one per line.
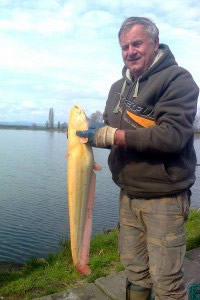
column 81, row 189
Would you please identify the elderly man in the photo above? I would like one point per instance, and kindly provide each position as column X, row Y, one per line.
column 148, row 125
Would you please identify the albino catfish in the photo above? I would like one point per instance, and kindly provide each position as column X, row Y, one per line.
column 81, row 189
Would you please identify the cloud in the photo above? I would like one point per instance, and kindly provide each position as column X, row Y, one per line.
column 56, row 53
column 28, row 104
column 44, row 17
column 20, row 21
column 17, row 55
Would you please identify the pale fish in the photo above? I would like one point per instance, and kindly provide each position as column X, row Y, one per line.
column 81, row 189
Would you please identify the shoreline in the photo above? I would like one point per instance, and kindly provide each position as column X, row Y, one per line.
column 56, row 273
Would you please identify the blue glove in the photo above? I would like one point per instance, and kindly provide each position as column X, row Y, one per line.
column 99, row 135
column 90, row 133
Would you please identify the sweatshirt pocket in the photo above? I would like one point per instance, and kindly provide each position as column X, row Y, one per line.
column 163, row 171
column 145, row 168
column 148, row 168
column 174, row 168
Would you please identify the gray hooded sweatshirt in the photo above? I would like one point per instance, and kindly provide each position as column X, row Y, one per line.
column 157, row 113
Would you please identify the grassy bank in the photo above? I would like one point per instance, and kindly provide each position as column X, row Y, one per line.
column 41, row 277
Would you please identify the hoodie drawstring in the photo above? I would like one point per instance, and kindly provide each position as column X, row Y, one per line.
column 135, row 94
column 116, row 110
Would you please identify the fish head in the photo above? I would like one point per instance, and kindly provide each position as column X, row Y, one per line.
column 78, row 119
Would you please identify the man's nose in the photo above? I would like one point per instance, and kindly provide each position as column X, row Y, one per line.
column 131, row 50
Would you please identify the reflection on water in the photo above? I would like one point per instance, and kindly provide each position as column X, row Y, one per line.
column 33, row 200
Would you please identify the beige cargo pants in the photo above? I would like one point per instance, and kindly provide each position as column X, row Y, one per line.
column 152, row 243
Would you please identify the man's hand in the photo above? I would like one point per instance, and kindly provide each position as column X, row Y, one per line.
column 99, row 135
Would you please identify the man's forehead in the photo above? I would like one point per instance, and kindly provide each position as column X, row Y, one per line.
column 136, row 32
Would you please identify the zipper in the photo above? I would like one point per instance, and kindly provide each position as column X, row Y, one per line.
column 123, row 103
column 135, row 85
column 120, row 125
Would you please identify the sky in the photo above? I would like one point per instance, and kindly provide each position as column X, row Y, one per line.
column 58, row 53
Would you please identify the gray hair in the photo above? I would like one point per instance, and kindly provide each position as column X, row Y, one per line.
column 150, row 27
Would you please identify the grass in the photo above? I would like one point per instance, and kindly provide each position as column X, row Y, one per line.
column 41, row 277
column 193, row 230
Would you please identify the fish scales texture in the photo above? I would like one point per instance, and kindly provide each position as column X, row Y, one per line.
column 80, row 181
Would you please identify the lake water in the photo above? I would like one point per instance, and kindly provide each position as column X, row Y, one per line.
column 33, row 198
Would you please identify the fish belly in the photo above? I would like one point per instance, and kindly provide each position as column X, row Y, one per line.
column 80, row 197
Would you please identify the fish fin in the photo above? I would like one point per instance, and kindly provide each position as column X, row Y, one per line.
column 97, row 167
column 83, row 140
column 88, row 225
column 67, row 155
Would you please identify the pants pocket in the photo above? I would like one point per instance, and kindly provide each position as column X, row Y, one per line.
column 168, row 259
column 183, row 201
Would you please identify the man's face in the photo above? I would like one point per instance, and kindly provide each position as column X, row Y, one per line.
column 138, row 49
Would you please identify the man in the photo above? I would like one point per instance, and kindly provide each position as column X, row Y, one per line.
column 149, row 118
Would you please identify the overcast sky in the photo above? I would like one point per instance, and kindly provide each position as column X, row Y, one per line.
column 57, row 53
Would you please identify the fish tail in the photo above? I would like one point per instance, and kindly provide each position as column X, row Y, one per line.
column 83, row 269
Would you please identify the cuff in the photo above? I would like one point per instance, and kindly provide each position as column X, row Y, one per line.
column 104, row 137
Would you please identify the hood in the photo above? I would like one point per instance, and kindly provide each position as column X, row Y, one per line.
column 164, row 59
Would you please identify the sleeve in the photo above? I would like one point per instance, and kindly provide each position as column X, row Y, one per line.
column 111, row 101
column 174, row 112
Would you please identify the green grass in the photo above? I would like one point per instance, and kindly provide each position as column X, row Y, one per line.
column 41, row 277
column 193, row 230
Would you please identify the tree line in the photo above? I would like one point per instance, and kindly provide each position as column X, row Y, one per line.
column 50, row 122
column 94, row 117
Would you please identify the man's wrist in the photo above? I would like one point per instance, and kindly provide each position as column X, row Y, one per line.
column 119, row 137
column 104, row 137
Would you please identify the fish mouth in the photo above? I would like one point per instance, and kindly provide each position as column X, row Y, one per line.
column 78, row 109
column 79, row 112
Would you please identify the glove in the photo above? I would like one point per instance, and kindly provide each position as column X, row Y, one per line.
column 99, row 135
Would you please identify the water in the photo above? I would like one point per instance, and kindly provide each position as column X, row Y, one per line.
column 33, row 199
